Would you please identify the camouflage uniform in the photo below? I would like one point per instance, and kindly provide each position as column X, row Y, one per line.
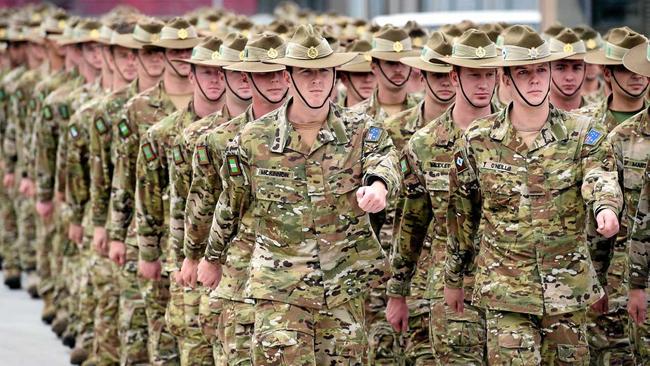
column 107, row 113
column 137, row 296
column 534, row 271
column 608, row 333
column 598, row 96
column 156, row 155
column 224, row 314
column 194, row 345
column 632, row 148
column 419, row 253
column 384, row 342
column 308, row 285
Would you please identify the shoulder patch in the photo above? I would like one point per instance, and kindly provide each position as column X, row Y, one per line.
column 202, row 155
column 3, row 94
column 74, row 132
column 177, row 153
column 461, row 164
column 148, row 152
column 405, row 166
column 373, row 134
column 32, row 104
column 125, row 131
column 19, row 94
column 593, row 136
column 47, row 113
column 64, row 111
column 234, row 168
column 41, row 96
column 100, row 125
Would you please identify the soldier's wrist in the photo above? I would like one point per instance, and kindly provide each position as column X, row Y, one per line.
column 149, row 255
column 397, row 288
column 605, row 206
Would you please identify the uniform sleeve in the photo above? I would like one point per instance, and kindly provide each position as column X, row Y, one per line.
column 122, row 201
column 180, row 176
column 61, row 165
column 412, row 228
column 380, row 160
column 78, row 177
column 463, row 215
column 233, row 201
column 9, row 141
column 151, row 174
column 100, row 168
column 46, row 136
column 640, row 238
column 201, row 199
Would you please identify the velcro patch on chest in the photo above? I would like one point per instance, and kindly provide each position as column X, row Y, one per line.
column 593, row 136
column 74, row 132
column 47, row 113
column 32, row 104
column 100, row 125
column 405, row 166
column 64, row 111
column 148, row 152
column 202, row 155
column 495, row 165
column 177, row 153
column 374, row 134
column 234, row 167
column 634, row 164
column 440, row 165
column 124, row 129
column 461, row 164
column 274, row 173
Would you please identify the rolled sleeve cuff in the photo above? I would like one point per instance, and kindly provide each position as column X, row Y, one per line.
column 149, row 254
column 396, row 287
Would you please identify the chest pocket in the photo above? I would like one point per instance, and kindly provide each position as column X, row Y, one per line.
column 500, row 190
column 633, row 174
column 342, row 185
column 437, row 181
column 278, row 211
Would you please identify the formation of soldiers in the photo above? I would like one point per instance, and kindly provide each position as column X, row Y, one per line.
column 203, row 190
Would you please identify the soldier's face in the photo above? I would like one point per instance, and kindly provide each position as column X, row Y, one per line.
column 363, row 82
column 125, row 62
column 183, row 68
column 593, row 71
column 477, row 84
column 91, row 53
column 210, row 79
column 391, row 75
column 567, row 77
column 153, row 60
column 17, row 51
column 533, row 82
column 272, row 84
column 625, row 82
column 239, row 83
column 314, row 85
column 440, row 85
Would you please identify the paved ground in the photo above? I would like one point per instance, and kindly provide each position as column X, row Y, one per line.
column 24, row 339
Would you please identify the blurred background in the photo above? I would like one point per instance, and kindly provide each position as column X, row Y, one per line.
column 600, row 14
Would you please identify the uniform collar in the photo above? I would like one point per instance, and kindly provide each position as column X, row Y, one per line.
column 446, row 131
column 415, row 118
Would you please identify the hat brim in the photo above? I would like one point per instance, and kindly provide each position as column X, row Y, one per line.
column 332, row 60
column 507, row 63
column 207, row 63
column 254, row 67
column 363, row 66
column 133, row 44
column 392, row 56
column 176, row 44
column 70, row 41
column 473, row 63
column 598, row 58
column 636, row 60
column 420, row 64
column 577, row 57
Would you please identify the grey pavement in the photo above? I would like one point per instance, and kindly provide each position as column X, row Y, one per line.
column 24, row 339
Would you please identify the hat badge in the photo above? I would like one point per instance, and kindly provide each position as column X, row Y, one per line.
column 61, row 24
column 94, row 34
column 417, row 41
column 591, row 44
column 182, row 33
column 155, row 37
column 568, row 48
column 533, row 53
column 312, row 52
column 215, row 55
column 398, row 46
column 367, row 57
column 213, row 26
column 480, row 52
column 242, row 54
column 272, row 53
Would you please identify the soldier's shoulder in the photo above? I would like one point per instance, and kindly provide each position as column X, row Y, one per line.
column 361, row 106
column 162, row 127
column 397, row 120
column 630, row 125
column 142, row 98
column 481, row 127
column 200, row 127
column 226, row 131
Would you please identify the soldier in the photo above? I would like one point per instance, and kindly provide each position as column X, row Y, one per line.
column 315, row 254
column 420, row 243
column 226, row 311
column 357, row 76
column 568, row 75
column 166, row 318
column 608, row 330
column 525, row 175
column 132, row 324
column 632, row 148
column 593, row 88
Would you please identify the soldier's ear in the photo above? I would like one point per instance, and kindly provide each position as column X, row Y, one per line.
column 607, row 74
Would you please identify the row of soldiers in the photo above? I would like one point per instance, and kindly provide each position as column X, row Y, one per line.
column 207, row 191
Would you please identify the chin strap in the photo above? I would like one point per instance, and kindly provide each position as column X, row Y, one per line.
column 225, row 76
column 203, row 92
column 305, row 100
column 507, row 70
column 633, row 96
column 584, row 75
column 440, row 100
column 145, row 68
column 391, row 81
column 172, row 66
column 250, row 76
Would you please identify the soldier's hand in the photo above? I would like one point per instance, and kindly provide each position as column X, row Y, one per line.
column 117, row 252
column 150, row 270
column 58, row 196
column 189, row 272
column 45, row 209
column 372, row 198
column 100, row 241
column 455, row 297
column 637, row 305
column 602, row 305
column 76, row 233
column 607, row 223
column 209, row 274
column 26, row 187
column 397, row 313
column 9, row 180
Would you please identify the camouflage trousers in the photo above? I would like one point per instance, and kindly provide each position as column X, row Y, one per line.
column 286, row 334
column 10, row 256
column 458, row 339
column 132, row 321
column 194, row 347
column 640, row 338
column 26, row 243
column 525, row 339
column 64, row 252
column 236, row 332
column 87, row 299
column 163, row 348
column 384, row 343
column 609, row 338
column 44, row 257
column 416, row 344
column 106, row 344
column 210, row 309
